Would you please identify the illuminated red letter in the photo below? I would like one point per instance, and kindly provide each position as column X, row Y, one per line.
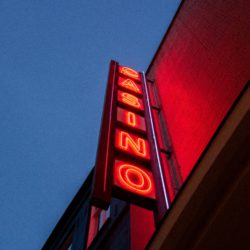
column 126, row 141
column 133, row 178
column 129, row 72
column 131, row 118
column 130, row 100
column 129, row 84
column 132, row 144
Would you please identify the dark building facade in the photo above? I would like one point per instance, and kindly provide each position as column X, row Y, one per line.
column 198, row 85
column 118, row 230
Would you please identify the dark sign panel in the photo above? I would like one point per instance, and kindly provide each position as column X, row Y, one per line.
column 131, row 119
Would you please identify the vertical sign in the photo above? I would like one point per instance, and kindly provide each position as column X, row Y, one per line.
column 132, row 177
column 127, row 148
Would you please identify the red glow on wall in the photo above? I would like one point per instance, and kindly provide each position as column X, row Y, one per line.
column 132, row 144
column 134, row 179
column 199, row 79
column 131, row 119
column 129, row 72
column 130, row 100
column 130, row 85
column 142, row 227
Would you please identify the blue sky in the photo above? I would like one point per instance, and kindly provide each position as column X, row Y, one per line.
column 54, row 58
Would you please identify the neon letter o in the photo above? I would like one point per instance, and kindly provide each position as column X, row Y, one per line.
column 127, row 175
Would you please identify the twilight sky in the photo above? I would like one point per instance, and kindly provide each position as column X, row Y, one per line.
column 54, row 58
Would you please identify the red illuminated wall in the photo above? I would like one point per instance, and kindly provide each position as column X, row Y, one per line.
column 141, row 227
column 200, row 69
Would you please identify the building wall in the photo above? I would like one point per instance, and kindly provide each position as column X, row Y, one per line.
column 115, row 234
column 200, row 69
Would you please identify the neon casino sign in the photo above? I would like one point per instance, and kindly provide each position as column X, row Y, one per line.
column 124, row 158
